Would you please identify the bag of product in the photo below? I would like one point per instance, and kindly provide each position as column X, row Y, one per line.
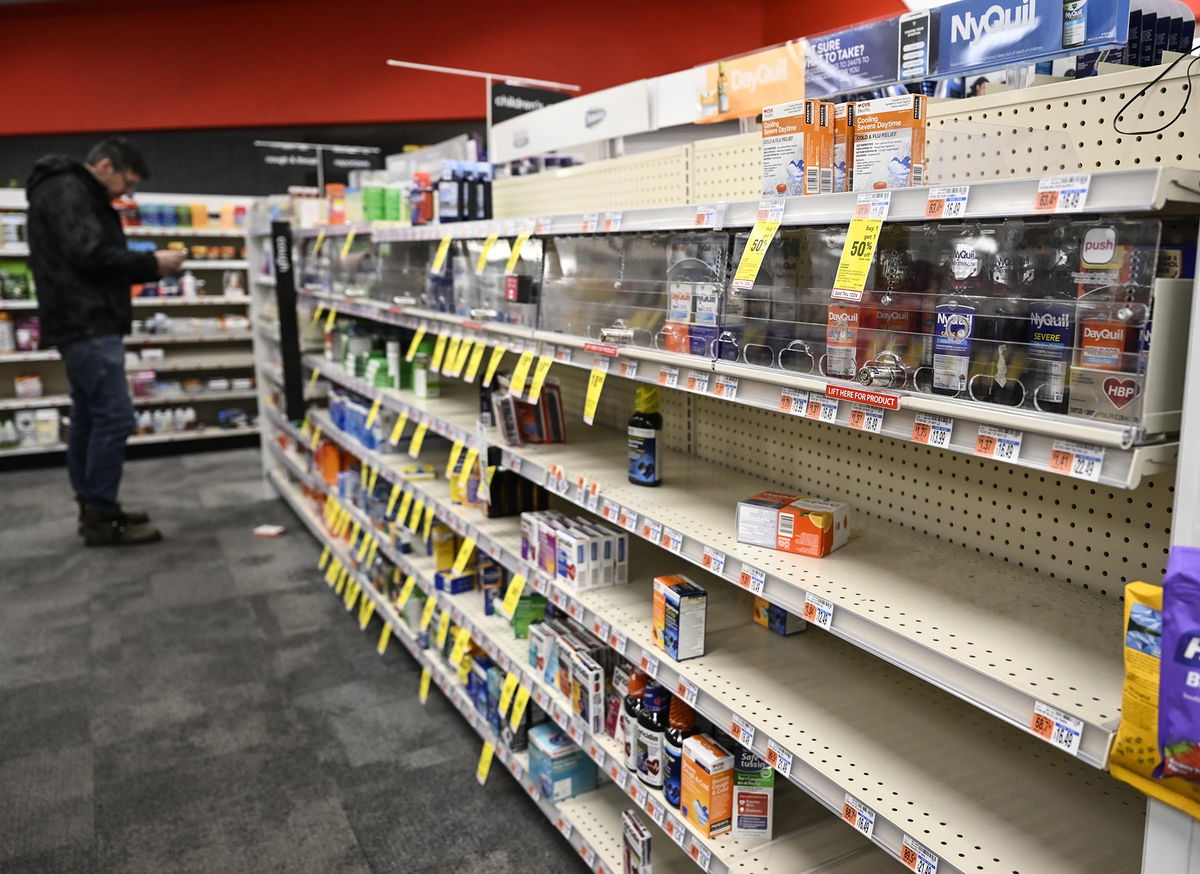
column 1179, row 689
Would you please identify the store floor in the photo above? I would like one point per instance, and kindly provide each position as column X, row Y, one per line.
column 205, row 705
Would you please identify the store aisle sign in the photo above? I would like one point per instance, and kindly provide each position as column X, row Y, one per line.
column 852, row 60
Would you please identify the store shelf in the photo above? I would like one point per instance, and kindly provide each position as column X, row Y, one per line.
column 216, row 264
column 343, row 230
column 144, row 439
column 196, row 300
column 269, row 332
column 35, row 403
column 958, row 621
column 183, row 361
column 168, row 339
column 148, row 231
column 265, row 281
column 22, row 357
column 18, row 304
column 196, row 397
column 17, row 251
column 275, row 375
column 934, row 769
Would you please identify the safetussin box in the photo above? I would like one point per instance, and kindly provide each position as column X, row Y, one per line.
column 797, row 148
column 793, row 523
column 889, row 142
column 706, row 799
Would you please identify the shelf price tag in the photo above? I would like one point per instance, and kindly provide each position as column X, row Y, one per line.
column 373, row 413
column 918, row 857
column 464, row 555
column 330, row 319
column 452, row 347
column 612, row 222
column 464, row 352
column 416, row 341
column 711, row 215
column 669, row 376
column 859, row 249
column 588, row 855
column 427, row 613
column 472, row 368
column 462, row 638
column 627, row 369
column 932, row 430
column 697, row 380
column 1067, row 193
column 456, row 449
column 515, row 255
column 701, row 855
column 651, row 530
column 793, row 401
column 398, row 428
column 649, row 665
column 672, row 540
column 384, row 636
column 506, row 692
column 539, row 377
column 600, row 628
column 752, row 578
column 349, row 241
column 520, row 372
column 518, row 707
column 316, row 316
column 821, row 408
column 418, row 438
column 324, row 559
column 439, row 352
column 866, row 418
column 818, row 611
column 687, row 691
column 443, row 629
column 515, row 587
column 726, row 387
column 714, row 560
column 1056, row 727
column 485, row 762
column 406, row 591
column 423, row 690
column 493, row 363
column 1077, row 459
column 317, row 245
column 481, row 263
column 628, row 520
column 770, row 214
column 618, row 642
column 439, row 257
column 1000, row 443
column 676, row 832
column 591, row 221
column 778, row 758
column 365, row 613
column 948, row 202
column 859, row 816
column 467, row 466
column 741, row 731
column 619, row 775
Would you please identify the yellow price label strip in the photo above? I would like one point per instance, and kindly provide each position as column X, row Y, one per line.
column 331, row 318
column 481, row 262
column 506, row 692
column 373, row 413
column 320, row 241
column 392, row 498
column 410, row 583
column 316, row 316
column 594, row 387
column 312, row 380
column 331, row 573
column 493, row 363
column 439, row 257
column 324, row 559
column 398, row 429
column 464, row 555
column 415, row 519
column 462, row 638
column 485, row 762
column 515, row 255
column 341, row 581
column 316, row 438
column 423, row 689
column 416, row 341
column 427, row 613
column 857, row 255
column 456, row 449
column 374, row 478
column 405, row 506
column 460, row 360
column 354, row 533
column 520, row 372
column 385, row 635
column 752, row 256
column 306, row 424
column 539, row 378
column 418, row 439
column 371, row 553
column 515, row 587
column 518, row 707
column 428, row 523
column 464, row 671
column 439, row 352
column 364, row 470
column 468, row 463
column 364, row 618
column 443, row 629
column 366, row 544
column 348, row 243
column 352, row 592
column 452, row 346
column 472, row 369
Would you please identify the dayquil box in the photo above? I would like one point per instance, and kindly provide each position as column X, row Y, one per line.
column 797, row 148
column 792, row 523
column 889, row 142
column 843, row 147
column 706, row 798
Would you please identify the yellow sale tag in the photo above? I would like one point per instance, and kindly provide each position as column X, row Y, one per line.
column 460, row 360
column 317, row 245
column 427, row 613
column 416, row 341
column 518, row 708
column 366, row 544
column 595, row 386
column 354, row 534
column 405, row 506
column 316, row 438
column 520, row 372
column 316, row 316
column 464, row 555
column 349, row 242
column 324, row 559
column 398, row 429
column 331, row 318
column 439, row 257
column 305, row 425
column 428, row 522
column 410, row 583
column 373, row 550
column 451, row 355
column 752, row 256
column 415, row 520
column 493, row 363
column 439, row 352
column 331, row 573
column 341, row 581
column 443, row 628
column 456, row 449
column 485, row 762
column 374, row 478
column 515, row 255
column 363, row 470
column 476, row 358
column 462, row 637
column 418, row 438
column 515, row 587
column 364, row 618
column 351, row 593
column 392, row 498
column 464, row 671
column 312, row 380
column 539, row 378
column 467, row 465
column 506, row 692
column 484, row 252
column 423, row 692
column 384, row 636
column 857, row 255
column 373, row 413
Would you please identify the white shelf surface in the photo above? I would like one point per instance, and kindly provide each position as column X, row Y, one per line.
column 962, row 622
column 23, row 357
column 933, row 768
column 18, row 304
column 196, row 397
column 263, row 280
column 156, row 231
column 143, row 439
column 15, row 251
column 1123, row 466
column 216, row 264
column 35, row 403
column 193, row 301
column 182, row 361
column 168, row 339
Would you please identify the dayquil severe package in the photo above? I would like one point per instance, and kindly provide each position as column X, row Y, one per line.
column 889, row 142
column 797, row 148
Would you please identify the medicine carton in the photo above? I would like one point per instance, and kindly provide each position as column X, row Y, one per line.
column 559, row 767
column 448, row 581
column 587, row 690
column 776, row 618
column 707, row 785
column 620, row 552
column 679, row 615
column 843, row 147
column 753, row 796
column 792, row 523
column 637, row 841
column 572, row 566
column 797, row 148
column 443, row 546
column 889, row 142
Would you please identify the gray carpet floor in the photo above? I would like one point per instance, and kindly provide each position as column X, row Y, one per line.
column 206, row 705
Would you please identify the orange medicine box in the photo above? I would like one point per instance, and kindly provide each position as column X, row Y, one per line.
column 889, row 142
column 797, row 148
column 706, row 799
column 793, row 523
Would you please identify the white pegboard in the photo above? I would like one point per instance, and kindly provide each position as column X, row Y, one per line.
column 727, row 169
column 658, row 178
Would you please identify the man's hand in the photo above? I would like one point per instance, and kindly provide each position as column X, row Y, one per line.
column 170, row 261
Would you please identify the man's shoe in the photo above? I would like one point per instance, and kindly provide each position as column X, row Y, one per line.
column 132, row 517
column 113, row 528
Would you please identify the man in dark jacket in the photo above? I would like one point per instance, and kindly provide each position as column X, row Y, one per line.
column 83, row 271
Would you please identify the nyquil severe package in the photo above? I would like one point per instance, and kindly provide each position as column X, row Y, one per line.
column 1179, row 689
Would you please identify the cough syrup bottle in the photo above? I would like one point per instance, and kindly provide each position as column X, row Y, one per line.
column 645, row 428
column 651, row 728
column 631, row 707
column 681, row 724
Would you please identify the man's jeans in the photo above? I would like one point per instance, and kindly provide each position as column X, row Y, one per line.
column 101, row 418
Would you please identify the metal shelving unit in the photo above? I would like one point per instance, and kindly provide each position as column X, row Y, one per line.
column 142, row 440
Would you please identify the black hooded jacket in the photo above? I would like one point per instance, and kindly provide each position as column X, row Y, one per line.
column 78, row 256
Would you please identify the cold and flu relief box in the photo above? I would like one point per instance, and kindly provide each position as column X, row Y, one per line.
column 843, row 147
column 558, row 767
column 679, row 613
column 889, row 142
column 793, row 523
column 797, row 148
column 777, row 619
column 753, row 796
column 706, row 785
